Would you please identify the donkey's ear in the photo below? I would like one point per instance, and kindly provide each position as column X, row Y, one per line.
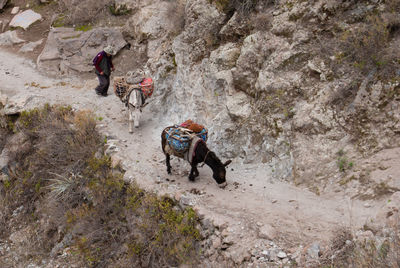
column 227, row 163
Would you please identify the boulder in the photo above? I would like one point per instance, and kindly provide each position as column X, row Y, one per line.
column 235, row 27
column 266, row 232
column 238, row 105
column 21, row 103
column 25, row 19
column 67, row 50
column 282, row 26
column 254, row 51
column 225, row 56
column 10, row 38
column 30, row 46
column 202, row 23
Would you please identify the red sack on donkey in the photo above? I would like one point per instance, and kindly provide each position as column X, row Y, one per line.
column 200, row 130
column 147, row 87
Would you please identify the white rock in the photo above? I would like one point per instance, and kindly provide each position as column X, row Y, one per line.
column 367, row 205
column 266, row 232
column 15, row 10
column 281, row 255
column 314, row 250
column 265, row 252
column 238, row 105
column 25, row 19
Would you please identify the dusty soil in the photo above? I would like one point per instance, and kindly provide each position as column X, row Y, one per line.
column 251, row 199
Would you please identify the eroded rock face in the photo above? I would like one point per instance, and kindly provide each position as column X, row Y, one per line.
column 265, row 94
column 3, row 3
column 67, row 50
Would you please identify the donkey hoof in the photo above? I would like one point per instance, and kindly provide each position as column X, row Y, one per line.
column 191, row 178
column 222, row 185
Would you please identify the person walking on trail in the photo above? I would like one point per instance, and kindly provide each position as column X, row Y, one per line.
column 104, row 66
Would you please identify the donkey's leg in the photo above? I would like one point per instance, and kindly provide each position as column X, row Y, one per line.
column 167, row 162
column 137, row 116
column 196, row 171
column 193, row 172
column 130, row 119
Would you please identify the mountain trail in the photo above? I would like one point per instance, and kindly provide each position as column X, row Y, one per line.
column 252, row 200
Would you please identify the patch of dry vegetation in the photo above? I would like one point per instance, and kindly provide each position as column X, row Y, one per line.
column 367, row 44
column 66, row 190
column 243, row 7
column 345, row 251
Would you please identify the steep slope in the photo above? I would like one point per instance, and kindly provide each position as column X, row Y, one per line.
column 302, row 95
column 252, row 210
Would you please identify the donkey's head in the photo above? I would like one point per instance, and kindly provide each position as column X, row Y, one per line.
column 219, row 171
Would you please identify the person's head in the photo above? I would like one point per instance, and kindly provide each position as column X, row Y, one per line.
column 109, row 50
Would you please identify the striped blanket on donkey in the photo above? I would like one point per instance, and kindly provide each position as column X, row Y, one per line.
column 180, row 139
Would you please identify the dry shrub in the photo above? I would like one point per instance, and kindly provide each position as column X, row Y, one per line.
column 348, row 252
column 261, row 21
column 392, row 5
column 339, row 252
column 51, row 145
column 243, row 7
column 78, row 12
column 363, row 45
column 84, row 202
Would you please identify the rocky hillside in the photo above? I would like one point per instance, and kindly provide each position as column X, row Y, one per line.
column 309, row 89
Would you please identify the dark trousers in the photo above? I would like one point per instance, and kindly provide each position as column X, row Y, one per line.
column 104, row 83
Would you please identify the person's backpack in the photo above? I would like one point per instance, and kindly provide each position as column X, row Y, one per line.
column 96, row 59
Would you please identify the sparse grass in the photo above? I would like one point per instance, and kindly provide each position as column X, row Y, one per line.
column 71, row 37
column 59, row 21
column 83, row 28
column 342, row 162
column 344, row 181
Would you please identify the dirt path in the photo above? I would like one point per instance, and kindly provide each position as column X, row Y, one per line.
column 251, row 200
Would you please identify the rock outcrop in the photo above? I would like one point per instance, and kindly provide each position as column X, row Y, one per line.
column 10, row 38
column 67, row 50
column 3, row 3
